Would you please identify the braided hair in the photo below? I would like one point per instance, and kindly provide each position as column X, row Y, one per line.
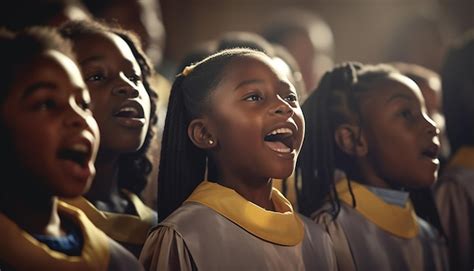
column 334, row 102
column 182, row 164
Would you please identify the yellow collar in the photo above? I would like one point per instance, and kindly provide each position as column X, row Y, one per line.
column 391, row 218
column 282, row 227
column 124, row 228
column 23, row 252
column 463, row 157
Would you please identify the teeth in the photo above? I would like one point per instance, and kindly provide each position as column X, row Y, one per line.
column 285, row 150
column 129, row 109
column 281, row 131
column 79, row 147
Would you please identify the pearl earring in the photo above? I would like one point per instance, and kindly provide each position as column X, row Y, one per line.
column 211, row 141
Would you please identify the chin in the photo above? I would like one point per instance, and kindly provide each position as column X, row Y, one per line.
column 425, row 182
column 282, row 173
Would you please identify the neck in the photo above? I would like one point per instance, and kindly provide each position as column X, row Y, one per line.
column 35, row 212
column 369, row 177
column 260, row 194
column 104, row 192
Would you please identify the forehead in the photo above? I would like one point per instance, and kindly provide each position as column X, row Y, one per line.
column 392, row 84
column 103, row 45
column 384, row 90
column 253, row 66
column 51, row 67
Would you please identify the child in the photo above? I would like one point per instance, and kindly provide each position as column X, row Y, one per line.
column 455, row 189
column 430, row 85
column 371, row 123
column 116, row 72
column 233, row 124
column 49, row 141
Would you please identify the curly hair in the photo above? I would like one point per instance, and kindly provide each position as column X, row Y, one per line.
column 135, row 167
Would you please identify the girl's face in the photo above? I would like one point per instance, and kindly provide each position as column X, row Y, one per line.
column 257, row 121
column 120, row 102
column 54, row 135
column 403, row 143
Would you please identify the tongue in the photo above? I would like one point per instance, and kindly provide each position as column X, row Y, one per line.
column 278, row 146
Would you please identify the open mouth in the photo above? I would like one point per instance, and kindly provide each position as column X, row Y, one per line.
column 130, row 109
column 78, row 153
column 280, row 140
column 432, row 152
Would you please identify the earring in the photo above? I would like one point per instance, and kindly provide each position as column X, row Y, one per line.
column 211, row 141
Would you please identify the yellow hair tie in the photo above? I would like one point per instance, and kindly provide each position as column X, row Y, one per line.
column 187, row 70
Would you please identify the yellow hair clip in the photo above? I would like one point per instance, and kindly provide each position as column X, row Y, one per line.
column 187, row 70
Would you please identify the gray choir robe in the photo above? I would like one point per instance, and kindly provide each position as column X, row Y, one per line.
column 361, row 244
column 454, row 194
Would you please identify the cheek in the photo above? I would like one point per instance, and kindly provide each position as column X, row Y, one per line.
column 94, row 128
column 35, row 152
column 236, row 132
column 147, row 105
column 100, row 101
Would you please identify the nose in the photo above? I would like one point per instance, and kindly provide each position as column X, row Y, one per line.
column 125, row 87
column 431, row 127
column 281, row 107
column 75, row 116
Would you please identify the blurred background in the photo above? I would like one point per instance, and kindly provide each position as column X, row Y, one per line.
column 363, row 30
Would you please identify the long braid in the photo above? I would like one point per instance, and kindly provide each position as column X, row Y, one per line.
column 180, row 171
column 182, row 164
column 317, row 159
column 333, row 103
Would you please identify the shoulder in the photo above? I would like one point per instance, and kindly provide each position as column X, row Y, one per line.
column 122, row 259
column 455, row 189
column 427, row 231
column 189, row 213
column 324, row 216
column 456, row 176
column 320, row 242
column 312, row 229
column 165, row 249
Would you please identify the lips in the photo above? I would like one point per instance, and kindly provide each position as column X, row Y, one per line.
column 78, row 151
column 431, row 152
column 76, row 157
column 130, row 114
column 281, row 138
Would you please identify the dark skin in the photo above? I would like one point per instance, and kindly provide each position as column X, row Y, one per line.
column 51, row 103
column 398, row 145
column 252, row 100
column 114, row 78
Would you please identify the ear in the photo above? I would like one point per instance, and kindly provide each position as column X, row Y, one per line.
column 200, row 135
column 351, row 140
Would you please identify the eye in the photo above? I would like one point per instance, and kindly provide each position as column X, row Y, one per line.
column 291, row 98
column 135, row 78
column 84, row 105
column 46, row 104
column 407, row 114
column 253, row 98
column 95, row 77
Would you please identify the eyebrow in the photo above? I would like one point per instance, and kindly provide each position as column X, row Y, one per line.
column 249, row 82
column 259, row 81
column 99, row 58
column 37, row 86
column 399, row 96
column 90, row 59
